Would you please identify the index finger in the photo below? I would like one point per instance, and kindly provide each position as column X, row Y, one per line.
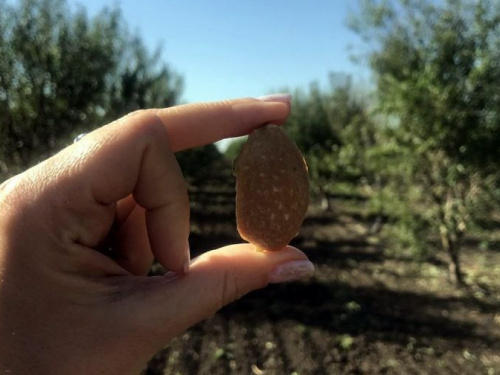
column 199, row 124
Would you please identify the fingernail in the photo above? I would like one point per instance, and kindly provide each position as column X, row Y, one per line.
column 187, row 259
column 291, row 271
column 285, row 98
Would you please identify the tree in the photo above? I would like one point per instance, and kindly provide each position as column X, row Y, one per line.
column 63, row 73
column 310, row 127
column 200, row 164
column 436, row 68
column 334, row 131
column 234, row 148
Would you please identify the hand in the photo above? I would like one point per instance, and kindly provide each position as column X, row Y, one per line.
column 78, row 234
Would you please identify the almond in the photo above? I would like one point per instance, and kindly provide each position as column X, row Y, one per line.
column 272, row 189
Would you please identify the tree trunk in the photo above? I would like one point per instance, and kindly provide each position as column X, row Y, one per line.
column 325, row 201
column 451, row 246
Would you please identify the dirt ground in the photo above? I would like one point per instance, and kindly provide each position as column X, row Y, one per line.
column 364, row 312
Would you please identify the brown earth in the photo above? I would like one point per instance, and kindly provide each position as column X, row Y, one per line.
column 364, row 312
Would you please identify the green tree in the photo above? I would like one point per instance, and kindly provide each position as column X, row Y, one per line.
column 234, row 148
column 334, row 131
column 310, row 127
column 62, row 73
column 309, row 123
column 202, row 163
column 436, row 68
column 351, row 116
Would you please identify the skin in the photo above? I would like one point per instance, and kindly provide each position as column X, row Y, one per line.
column 78, row 234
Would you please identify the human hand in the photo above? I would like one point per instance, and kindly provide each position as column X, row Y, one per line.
column 78, row 234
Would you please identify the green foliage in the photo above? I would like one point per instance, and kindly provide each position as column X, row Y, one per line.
column 309, row 123
column 219, row 353
column 301, row 328
column 436, row 67
column 334, row 131
column 233, row 149
column 345, row 341
column 200, row 162
column 407, row 231
column 352, row 306
column 62, row 73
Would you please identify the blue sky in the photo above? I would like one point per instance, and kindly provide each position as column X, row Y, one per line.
column 235, row 48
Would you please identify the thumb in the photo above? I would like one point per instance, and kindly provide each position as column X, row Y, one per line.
column 216, row 279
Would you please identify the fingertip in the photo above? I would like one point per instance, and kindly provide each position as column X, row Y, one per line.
column 291, row 271
column 244, row 257
column 197, row 124
column 275, row 112
column 278, row 97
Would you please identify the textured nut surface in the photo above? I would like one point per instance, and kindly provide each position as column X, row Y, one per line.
column 272, row 189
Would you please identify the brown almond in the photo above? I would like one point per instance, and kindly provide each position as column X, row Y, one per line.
column 272, row 189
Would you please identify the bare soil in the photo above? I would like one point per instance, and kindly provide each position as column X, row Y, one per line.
column 365, row 311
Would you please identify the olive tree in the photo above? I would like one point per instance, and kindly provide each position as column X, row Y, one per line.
column 63, row 72
column 436, row 69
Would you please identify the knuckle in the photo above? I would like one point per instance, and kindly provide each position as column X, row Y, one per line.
column 151, row 127
column 229, row 290
column 145, row 125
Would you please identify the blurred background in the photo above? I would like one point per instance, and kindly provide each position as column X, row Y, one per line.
column 397, row 111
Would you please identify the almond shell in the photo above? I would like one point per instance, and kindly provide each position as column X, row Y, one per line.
column 272, row 189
